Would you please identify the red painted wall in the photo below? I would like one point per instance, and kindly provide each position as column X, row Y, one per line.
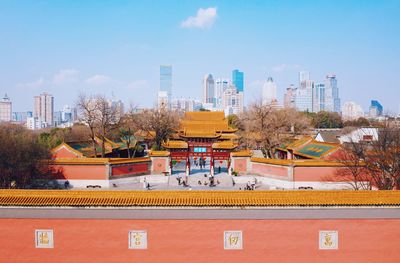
column 240, row 165
column 159, row 165
column 130, row 169
column 64, row 153
column 200, row 241
column 316, row 174
column 82, row 172
column 267, row 169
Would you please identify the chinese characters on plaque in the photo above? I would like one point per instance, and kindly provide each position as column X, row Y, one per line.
column 44, row 238
column 233, row 240
column 138, row 239
column 328, row 240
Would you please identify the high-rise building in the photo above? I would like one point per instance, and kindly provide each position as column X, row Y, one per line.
column 303, row 75
column 238, row 80
column 166, row 80
column 332, row 100
column 232, row 101
column 5, row 109
column 208, row 89
column 185, row 104
column 319, row 97
column 304, row 96
column 21, row 116
column 269, row 92
column 221, row 84
column 44, row 109
column 162, row 100
column 351, row 111
column 376, row 109
column 289, row 99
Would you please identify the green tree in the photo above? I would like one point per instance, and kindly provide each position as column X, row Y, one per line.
column 23, row 157
column 326, row 120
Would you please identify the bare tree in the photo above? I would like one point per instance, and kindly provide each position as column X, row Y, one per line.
column 161, row 123
column 87, row 108
column 383, row 160
column 379, row 159
column 353, row 170
column 107, row 119
column 265, row 128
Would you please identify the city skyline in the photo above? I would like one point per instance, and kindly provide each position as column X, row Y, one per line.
column 65, row 48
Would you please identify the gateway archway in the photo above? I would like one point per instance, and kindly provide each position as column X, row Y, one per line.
column 203, row 137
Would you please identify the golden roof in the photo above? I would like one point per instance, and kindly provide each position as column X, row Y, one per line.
column 303, row 162
column 243, row 153
column 224, row 145
column 159, row 153
column 204, row 124
column 61, row 161
column 204, row 115
column 84, row 198
column 176, row 144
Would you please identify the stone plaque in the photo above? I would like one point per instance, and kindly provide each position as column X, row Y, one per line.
column 233, row 240
column 328, row 239
column 44, row 238
column 138, row 239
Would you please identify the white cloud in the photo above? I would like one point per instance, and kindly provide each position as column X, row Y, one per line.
column 66, row 76
column 34, row 84
column 285, row 67
column 204, row 18
column 97, row 80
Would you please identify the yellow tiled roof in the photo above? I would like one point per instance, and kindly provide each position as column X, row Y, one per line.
column 204, row 115
column 244, row 153
column 175, row 144
column 224, row 145
column 86, row 198
column 313, row 162
column 159, row 153
column 86, row 161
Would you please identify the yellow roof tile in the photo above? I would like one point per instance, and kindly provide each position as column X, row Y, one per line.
column 82, row 198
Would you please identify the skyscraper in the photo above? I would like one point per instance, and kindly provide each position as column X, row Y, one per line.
column 332, row 100
column 238, row 80
column 304, row 96
column 166, row 80
column 351, row 111
column 303, row 75
column 319, row 97
column 208, row 89
column 221, row 84
column 232, row 101
column 44, row 109
column 289, row 100
column 5, row 109
column 269, row 92
column 376, row 109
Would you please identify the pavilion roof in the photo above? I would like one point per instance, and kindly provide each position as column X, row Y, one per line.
column 173, row 144
column 224, row 145
column 113, row 198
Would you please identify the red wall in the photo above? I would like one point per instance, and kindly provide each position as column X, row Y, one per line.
column 130, row 169
column 200, row 241
column 267, row 169
column 64, row 153
column 316, row 174
column 82, row 172
column 240, row 165
column 159, row 165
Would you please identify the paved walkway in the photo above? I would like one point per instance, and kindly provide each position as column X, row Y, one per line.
column 197, row 180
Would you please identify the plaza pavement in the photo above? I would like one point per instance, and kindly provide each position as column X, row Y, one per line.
column 197, row 180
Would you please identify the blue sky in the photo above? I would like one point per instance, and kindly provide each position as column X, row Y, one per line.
column 116, row 47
